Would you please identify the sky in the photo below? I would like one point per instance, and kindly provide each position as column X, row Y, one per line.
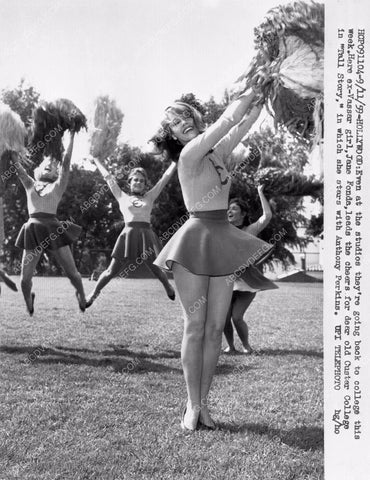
column 142, row 53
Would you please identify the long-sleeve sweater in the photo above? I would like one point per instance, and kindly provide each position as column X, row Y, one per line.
column 204, row 179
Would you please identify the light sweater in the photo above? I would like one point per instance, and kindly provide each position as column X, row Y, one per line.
column 135, row 208
column 204, row 179
column 47, row 201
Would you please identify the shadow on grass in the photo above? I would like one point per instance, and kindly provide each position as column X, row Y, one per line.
column 122, row 350
column 138, row 362
column 227, row 368
column 280, row 351
column 305, row 438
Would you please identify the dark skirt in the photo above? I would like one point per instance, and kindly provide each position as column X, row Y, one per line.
column 207, row 244
column 252, row 280
column 137, row 241
column 45, row 231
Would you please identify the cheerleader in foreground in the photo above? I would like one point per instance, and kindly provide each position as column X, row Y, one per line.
column 43, row 231
column 249, row 281
column 207, row 248
column 137, row 242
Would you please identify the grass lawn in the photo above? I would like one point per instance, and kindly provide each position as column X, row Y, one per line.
column 99, row 395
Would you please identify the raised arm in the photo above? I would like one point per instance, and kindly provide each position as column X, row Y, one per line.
column 228, row 143
column 162, row 182
column 109, row 178
column 257, row 227
column 197, row 148
column 66, row 165
column 23, row 176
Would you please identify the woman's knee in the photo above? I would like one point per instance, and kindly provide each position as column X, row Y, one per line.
column 214, row 334
column 194, row 330
column 238, row 320
column 109, row 273
column 114, row 269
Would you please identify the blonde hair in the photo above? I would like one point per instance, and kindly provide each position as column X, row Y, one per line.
column 139, row 170
column 183, row 109
column 163, row 139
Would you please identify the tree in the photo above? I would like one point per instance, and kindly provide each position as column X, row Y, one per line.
column 214, row 110
column 315, row 225
column 21, row 100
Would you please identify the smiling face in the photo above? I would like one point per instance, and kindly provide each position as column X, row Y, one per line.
column 235, row 214
column 137, row 183
column 48, row 170
column 182, row 126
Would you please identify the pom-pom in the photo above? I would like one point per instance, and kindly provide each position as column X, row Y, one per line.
column 70, row 117
column 12, row 133
column 288, row 67
column 50, row 121
column 287, row 182
column 106, row 128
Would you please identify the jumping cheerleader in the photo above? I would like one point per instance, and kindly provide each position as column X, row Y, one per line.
column 137, row 242
column 43, row 231
column 251, row 280
column 207, row 248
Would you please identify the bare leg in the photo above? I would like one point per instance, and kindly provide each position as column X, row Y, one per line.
column 112, row 271
column 219, row 298
column 8, row 281
column 193, row 290
column 229, row 330
column 162, row 277
column 30, row 259
column 241, row 304
column 65, row 259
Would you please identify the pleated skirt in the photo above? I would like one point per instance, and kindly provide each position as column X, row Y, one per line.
column 44, row 230
column 207, row 244
column 137, row 241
